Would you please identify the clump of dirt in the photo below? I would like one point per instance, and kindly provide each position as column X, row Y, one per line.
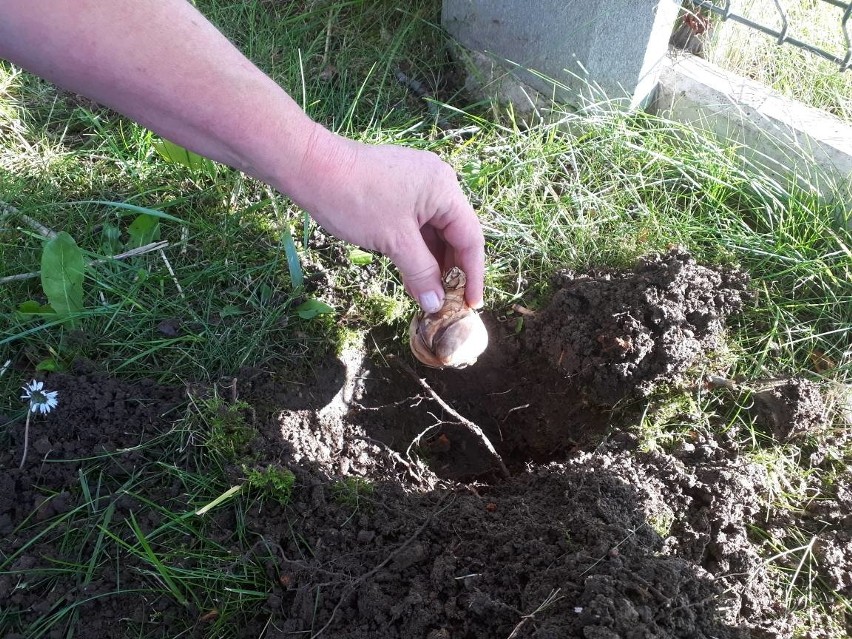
column 789, row 408
column 831, row 527
column 615, row 334
column 590, row 537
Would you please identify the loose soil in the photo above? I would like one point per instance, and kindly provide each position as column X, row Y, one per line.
column 590, row 537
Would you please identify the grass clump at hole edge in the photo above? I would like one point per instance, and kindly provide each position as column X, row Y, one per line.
column 227, row 432
column 271, row 482
column 350, row 491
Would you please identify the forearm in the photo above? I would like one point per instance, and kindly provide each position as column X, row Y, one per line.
column 162, row 64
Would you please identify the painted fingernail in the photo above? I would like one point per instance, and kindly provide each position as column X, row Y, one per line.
column 430, row 302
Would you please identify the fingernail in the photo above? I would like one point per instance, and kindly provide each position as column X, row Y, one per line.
column 430, row 302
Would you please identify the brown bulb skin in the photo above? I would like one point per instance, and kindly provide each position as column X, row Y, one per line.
column 455, row 336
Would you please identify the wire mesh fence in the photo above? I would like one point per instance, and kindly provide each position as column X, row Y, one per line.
column 726, row 11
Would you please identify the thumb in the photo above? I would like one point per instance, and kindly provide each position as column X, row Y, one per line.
column 421, row 275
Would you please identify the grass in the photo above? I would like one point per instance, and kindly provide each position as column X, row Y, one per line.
column 756, row 55
column 173, row 546
column 591, row 189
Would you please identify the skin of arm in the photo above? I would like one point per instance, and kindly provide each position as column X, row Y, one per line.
column 164, row 65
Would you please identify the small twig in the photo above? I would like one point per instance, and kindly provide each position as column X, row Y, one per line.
column 19, row 277
column 347, row 590
column 148, row 248
column 416, row 440
column 630, row 534
column 551, row 599
column 172, row 273
column 141, row 250
column 7, row 210
column 473, row 428
column 512, row 410
column 653, row 589
column 184, row 239
column 327, row 37
column 418, row 399
column 39, row 228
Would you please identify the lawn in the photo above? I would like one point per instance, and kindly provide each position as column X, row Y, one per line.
column 243, row 445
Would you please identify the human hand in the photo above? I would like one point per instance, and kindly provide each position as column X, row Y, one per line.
column 404, row 203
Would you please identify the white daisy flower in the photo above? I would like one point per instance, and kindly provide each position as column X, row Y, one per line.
column 41, row 401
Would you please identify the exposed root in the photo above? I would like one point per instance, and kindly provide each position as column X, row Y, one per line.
column 551, row 599
column 475, row 430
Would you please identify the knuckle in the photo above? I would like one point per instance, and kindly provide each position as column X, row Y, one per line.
column 421, row 275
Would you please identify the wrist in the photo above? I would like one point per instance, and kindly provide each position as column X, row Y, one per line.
column 321, row 170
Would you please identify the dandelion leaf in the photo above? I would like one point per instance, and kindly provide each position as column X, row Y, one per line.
column 310, row 308
column 143, row 230
column 360, row 257
column 62, row 268
column 176, row 154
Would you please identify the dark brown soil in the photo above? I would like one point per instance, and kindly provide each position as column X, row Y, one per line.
column 590, row 537
column 619, row 334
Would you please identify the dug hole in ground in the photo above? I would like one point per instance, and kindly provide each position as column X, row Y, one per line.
column 591, row 536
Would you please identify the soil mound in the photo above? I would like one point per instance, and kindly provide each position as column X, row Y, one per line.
column 615, row 334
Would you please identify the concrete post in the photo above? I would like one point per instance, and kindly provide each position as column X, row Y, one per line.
column 616, row 45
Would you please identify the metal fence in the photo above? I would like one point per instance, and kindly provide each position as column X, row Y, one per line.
column 725, row 10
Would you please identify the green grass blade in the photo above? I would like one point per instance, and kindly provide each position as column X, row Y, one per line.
column 152, row 557
column 294, row 264
column 102, row 527
column 132, row 208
